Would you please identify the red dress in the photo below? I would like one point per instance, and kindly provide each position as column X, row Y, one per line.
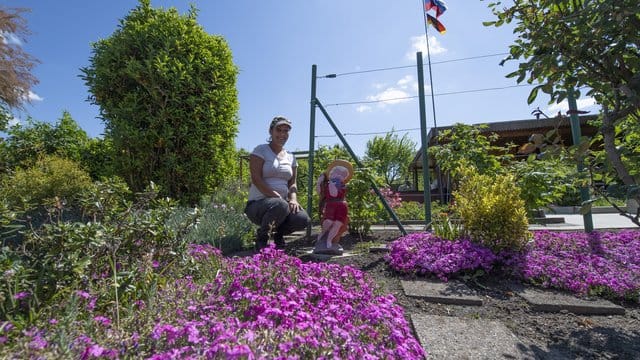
column 335, row 207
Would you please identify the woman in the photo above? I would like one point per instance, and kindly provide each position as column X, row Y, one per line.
column 273, row 203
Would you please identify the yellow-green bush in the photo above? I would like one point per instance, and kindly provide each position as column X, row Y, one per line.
column 50, row 177
column 491, row 210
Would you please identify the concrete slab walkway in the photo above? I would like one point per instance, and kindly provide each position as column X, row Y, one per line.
column 448, row 337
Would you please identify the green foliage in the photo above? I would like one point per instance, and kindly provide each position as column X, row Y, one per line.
column 542, row 182
column 446, row 228
column 106, row 199
column 602, row 170
column 567, row 45
column 364, row 205
column 26, row 143
column 606, row 60
column 115, row 255
column 410, row 210
column 97, row 158
column 167, row 92
column 17, row 277
column 233, row 193
column 491, row 210
column 392, row 199
column 390, row 156
column 225, row 227
column 50, row 181
column 466, row 144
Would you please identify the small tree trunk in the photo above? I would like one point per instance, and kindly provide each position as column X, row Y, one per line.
column 608, row 134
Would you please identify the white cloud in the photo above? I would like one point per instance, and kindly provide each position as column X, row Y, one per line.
column 390, row 96
column 405, row 82
column 403, row 90
column 34, row 97
column 419, row 43
column 564, row 106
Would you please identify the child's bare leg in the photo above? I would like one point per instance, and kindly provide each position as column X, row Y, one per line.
column 333, row 232
column 326, row 226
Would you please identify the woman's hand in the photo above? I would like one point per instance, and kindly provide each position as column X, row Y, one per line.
column 294, row 207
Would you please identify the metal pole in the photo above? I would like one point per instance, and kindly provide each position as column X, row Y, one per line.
column 425, row 146
column 433, row 106
column 359, row 164
column 312, row 136
column 576, row 135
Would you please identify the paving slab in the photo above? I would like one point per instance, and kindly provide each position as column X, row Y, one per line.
column 379, row 248
column 553, row 301
column 452, row 292
column 448, row 337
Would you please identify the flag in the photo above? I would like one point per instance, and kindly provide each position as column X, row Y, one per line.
column 436, row 24
column 439, row 5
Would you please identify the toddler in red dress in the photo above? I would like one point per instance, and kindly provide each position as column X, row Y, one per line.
column 332, row 188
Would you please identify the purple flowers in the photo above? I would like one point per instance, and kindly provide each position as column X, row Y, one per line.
column 424, row 253
column 605, row 263
column 275, row 306
column 600, row 262
column 269, row 306
column 21, row 295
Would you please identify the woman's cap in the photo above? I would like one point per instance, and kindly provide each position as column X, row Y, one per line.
column 279, row 120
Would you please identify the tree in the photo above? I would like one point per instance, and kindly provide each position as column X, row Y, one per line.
column 167, row 93
column 15, row 64
column 465, row 144
column 390, row 156
column 566, row 45
column 26, row 143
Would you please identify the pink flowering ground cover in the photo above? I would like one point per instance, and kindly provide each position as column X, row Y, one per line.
column 599, row 263
column 269, row 306
column 275, row 306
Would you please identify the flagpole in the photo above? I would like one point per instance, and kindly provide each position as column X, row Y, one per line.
column 433, row 102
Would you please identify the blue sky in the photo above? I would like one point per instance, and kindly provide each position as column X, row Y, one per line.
column 275, row 43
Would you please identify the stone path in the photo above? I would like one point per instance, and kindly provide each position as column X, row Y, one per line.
column 448, row 337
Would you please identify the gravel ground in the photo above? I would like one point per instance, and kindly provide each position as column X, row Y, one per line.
column 544, row 335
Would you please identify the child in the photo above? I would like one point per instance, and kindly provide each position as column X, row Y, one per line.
column 332, row 188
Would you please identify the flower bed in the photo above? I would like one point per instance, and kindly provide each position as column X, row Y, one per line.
column 269, row 306
column 600, row 263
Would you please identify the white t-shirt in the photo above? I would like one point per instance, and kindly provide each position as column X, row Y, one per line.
column 276, row 172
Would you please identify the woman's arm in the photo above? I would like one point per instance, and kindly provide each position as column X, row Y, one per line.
column 293, row 191
column 255, row 168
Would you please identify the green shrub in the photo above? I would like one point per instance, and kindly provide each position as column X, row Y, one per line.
column 542, row 182
column 222, row 226
column 233, row 193
column 364, row 205
column 122, row 255
column 16, row 281
column 106, row 199
column 491, row 210
column 49, row 181
column 410, row 210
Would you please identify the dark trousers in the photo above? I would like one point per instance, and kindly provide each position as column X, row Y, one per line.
column 274, row 218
